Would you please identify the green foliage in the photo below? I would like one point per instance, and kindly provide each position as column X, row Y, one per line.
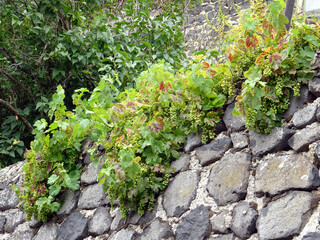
column 142, row 128
column 273, row 61
column 142, row 131
column 9, row 145
column 51, row 162
column 47, row 43
column 147, row 127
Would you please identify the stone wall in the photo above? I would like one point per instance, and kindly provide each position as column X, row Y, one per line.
column 242, row 185
column 198, row 33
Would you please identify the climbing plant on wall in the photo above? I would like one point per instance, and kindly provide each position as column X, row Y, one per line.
column 142, row 129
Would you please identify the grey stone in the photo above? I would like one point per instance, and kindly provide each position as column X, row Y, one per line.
column 297, row 102
column 219, row 224
column 127, row 234
column 196, row 225
column 22, row 235
column 311, row 236
column 3, row 185
column 208, row 8
column 87, row 158
column 149, row 215
column 239, row 140
column 8, row 199
column 35, row 223
column 156, row 230
column 180, row 192
column 70, row 199
column 211, row 15
column 48, row 231
column 224, row 237
column 236, row 123
column 14, row 218
column 277, row 140
column 2, row 222
column 317, row 152
column 314, row 86
column 117, row 222
column 228, row 179
column 90, row 174
column 133, row 218
column 100, row 222
column 193, row 141
column 300, row 140
column 92, row 197
column 191, row 33
column 244, row 219
column 12, row 174
column 305, row 116
column 181, row 164
column 285, row 217
column 318, row 114
column 86, row 144
column 213, row 151
column 191, row 19
column 73, row 227
column 296, row 172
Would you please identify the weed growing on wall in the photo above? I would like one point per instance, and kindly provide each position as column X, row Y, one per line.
column 273, row 61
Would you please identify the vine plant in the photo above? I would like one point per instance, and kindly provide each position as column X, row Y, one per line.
column 273, row 61
column 142, row 128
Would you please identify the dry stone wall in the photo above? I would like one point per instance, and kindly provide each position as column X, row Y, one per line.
column 199, row 35
column 242, row 185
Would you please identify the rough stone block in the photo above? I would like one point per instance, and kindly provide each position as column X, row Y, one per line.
column 239, row 140
column 92, row 197
column 236, row 123
column 277, row 140
column 193, row 141
column 285, row 217
column 128, row 234
column 181, row 164
column 100, row 222
column 296, row 171
column 300, row 140
column 219, row 224
column 196, row 225
column 48, row 231
column 228, row 179
column 213, row 151
column 70, row 200
column 297, row 102
column 14, row 218
column 180, row 192
column 73, row 227
column 8, row 199
column 156, row 230
column 305, row 116
column 314, row 86
column 243, row 222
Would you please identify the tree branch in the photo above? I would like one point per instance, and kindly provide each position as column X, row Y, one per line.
column 15, row 112
column 17, row 82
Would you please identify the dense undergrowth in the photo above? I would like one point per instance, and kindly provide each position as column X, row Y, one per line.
column 44, row 44
column 143, row 128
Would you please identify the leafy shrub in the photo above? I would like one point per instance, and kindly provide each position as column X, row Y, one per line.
column 61, row 42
